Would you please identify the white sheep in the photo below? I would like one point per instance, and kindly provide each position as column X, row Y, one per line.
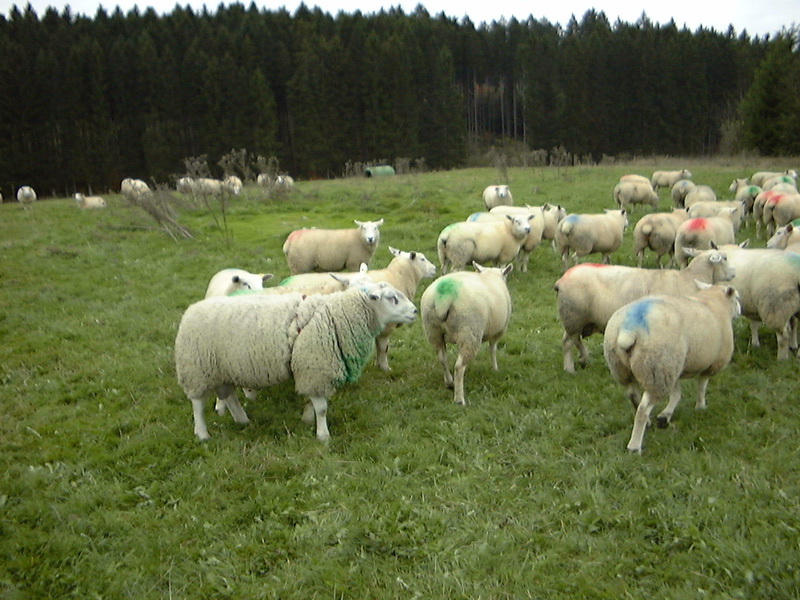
column 781, row 181
column 89, row 202
column 583, row 234
column 283, row 184
column 258, row 340
column 466, row 309
column 638, row 178
column 206, row 186
column 656, row 232
column 553, row 214
column 732, row 209
column 589, row 294
column 702, row 233
column 232, row 185
column 679, row 191
column 308, row 250
column 786, row 238
column 668, row 178
column 653, row 343
column 699, row 193
column 134, row 187
column 497, row 195
column 185, row 185
column 534, row 237
column 264, row 181
column 627, row 193
column 761, row 176
column 768, row 282
column 26, row 196
column 499, row 241
column 747, row 195
column 228, row 281
column 780, row 210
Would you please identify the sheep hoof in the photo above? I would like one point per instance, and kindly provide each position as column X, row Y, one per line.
column 663, row 422
column 635, row 450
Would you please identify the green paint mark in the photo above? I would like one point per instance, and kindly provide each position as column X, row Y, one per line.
column 243, row 292
column 286, row 281
column 448, row 288
column 449, row 227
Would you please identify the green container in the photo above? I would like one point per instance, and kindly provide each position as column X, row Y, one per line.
column 379, row 171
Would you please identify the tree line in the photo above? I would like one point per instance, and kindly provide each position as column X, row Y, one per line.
column 86, row 102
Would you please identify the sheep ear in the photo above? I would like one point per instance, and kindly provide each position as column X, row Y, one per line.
column 359, row 223
column 478, row 268
column 343, row 280
column 713, row 245
column 789, row 228
column 745, row 243
column 730, row 291
column 701, row 285
column 363, row 268
column 379, row 223
column 546, row 206
column 690, row 251
column 394, row 251
column 412, row 255
column 236, row 279
column 507, row 269
column 266, row 277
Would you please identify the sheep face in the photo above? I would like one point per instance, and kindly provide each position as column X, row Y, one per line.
column 389, row 304
column 424, row 267
column 370, row 231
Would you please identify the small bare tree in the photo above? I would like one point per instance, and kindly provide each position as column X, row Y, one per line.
column 159, row 204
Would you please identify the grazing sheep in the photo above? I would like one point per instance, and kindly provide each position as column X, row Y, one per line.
column 635, row 192
column 747, row 195
column 283, row 184
column 584, row 234
column 732, row 209
column 701, row 234
column 679, row 191
column 308, row 250
column 466, row 309
column 89, row 202
column 588, row 294
column 498, row 241
column 699, row 193
column 636, row 178
column 134, row 187
column 497, row 195
column 228, row 281
column 205, row 186
column 761, row 176
column 534, row 237
column 656, row 232
column 653, row 343
column 185, row 185
column 256, row 341
column 232, row 185
column 668, row 178
column 780, row 181
column 768, row 282
column 264, row 181
column 26, row 196
column 780, row 210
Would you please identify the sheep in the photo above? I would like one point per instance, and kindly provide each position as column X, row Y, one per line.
column 732, row 209
column 635, row 192
column 779, row 181
column 497, row 195
column 761, row 176
column 134, row 187
column 786, row 238
column 322, row 283
column 185, row 185
column 701, row 233
column 679, row 191
column 699, row 193
column 636, row 178
column 283, row 184
column 768, row 282
column 589, row 294
column 26, row 196
column 466, row 309
column 668, row 178
column 264, row 181
column 89, row 202
column 656, row 232
column 498, row 242
column 255, row 341
column 534, row 237
column 552, row 216
column 747, row 195
column 652, row 343
column 308, row 250
column 584, row 234
column 206, row 186
column 738, row 184
column 779, row 210
column 232, row 185
column 228, row 281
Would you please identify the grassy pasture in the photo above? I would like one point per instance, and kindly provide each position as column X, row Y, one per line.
column 527, row 492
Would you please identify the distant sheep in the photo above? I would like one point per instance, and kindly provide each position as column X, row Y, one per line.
column 653, row 343
column 497, row 195
column 583, row 234
column 89, row 202
column 668, row 178
column 283, row 184
column 628, row 193
column 264, row 181
column 588, row 294
column 185, row 185
column 699, row 193
column 780, row 210
column 26, row 196
column 466, row 309
column 134, row 187
column 308, row 250
column 498, row 242
column 701, row 234
column 636, row 178
column 232, row 185
column 256, row 341
column 657, row 232
column 761, row 176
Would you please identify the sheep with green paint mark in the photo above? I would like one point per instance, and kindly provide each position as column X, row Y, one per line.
column 309, row 250
column 466, row 309
column 654, row 342
column 256, row 340
column 499, row 242
column 228, row 281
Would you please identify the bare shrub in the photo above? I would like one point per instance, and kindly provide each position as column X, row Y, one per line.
column 159, row 205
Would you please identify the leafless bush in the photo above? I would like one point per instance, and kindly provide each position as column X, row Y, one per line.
column 236, row 162
column 197, row 166
column 159, row 204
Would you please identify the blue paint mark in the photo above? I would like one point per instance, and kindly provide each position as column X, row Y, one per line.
column 474, row 216
column 637, row 313
column 572, row 219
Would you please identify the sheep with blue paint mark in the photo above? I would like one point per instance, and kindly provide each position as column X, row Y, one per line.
column 654, row 342
column 466, row 309
column 257, row 340
column 579, row 235
column 588, row 294
column 499, row 242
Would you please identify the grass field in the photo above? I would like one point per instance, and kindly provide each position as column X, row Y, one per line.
column 527, row 492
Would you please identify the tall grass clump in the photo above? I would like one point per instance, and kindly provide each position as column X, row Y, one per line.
column 526, row 492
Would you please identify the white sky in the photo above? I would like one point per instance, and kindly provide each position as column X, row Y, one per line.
column 758, row 17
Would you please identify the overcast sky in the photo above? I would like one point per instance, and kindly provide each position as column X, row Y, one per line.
column 758, row 17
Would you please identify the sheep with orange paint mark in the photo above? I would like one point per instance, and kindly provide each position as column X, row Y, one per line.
column 308, row 250
column 702, row 233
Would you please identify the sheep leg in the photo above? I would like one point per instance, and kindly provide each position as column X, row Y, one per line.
column 237, row 412
column 784, row 338
column 755, row 342
column 382, row 351
column 309, row 416
column 442, row 354
column 634, row 395
column 220, row 407
column 200, row 429
column 567, row 344
column 493, row 351
column 665, row 416
column 460, row 369
column 640, row 421
column 702, row 386
column 250, row 393
column 321, row 412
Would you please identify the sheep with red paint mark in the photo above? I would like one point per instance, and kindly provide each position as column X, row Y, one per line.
column 656, row 232
column 308, row 250
column 702, row 233
column 588, row 294
column 732, row 209
column 466, row 309
column 579, row 235
column 652, row 343
column 780, row 210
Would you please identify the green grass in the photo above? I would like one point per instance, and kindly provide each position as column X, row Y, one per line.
column 527, row 492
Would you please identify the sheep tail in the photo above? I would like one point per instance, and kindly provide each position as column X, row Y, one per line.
column 647, row 229
column 626, row 340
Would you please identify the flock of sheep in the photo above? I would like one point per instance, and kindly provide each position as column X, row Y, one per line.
column 320, row 326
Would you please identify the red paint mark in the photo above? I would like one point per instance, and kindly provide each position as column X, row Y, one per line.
column 698, row 224
column 296, row 234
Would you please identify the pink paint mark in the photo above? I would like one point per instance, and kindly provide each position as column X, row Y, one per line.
column 698, row 224
column 296, row 234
